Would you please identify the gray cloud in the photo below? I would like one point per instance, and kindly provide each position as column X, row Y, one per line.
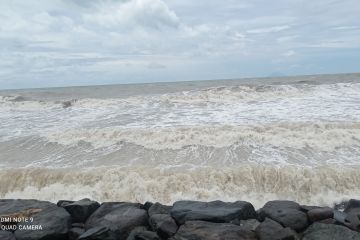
column 51, row 43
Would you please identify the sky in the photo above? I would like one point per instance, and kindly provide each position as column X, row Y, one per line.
column 89, row 42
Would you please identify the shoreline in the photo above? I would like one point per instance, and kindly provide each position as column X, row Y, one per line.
column 89, row 220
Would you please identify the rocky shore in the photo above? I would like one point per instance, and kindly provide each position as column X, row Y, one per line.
column 184, row 220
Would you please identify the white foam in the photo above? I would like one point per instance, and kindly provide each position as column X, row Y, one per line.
column 255, row 183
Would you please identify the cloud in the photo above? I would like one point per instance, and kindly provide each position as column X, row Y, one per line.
column 273, row 29
column 131, row 14
column 65, row 42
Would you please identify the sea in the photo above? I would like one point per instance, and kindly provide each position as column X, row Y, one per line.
column 255, row 139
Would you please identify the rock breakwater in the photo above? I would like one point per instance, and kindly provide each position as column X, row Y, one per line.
column 184, row 220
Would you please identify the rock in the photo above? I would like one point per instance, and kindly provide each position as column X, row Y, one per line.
column 287, row 213
column 250, row 224
column 81, row 210
column 75, row 233
column 306, row 208
column 158, row 208
column 147, row 205
column 63, row 203
column 54, row 221
column 352, row 211
column 163, row 224
column 351, row 205
column 200, row 230
column 328, row 221
column 78, row 225
column 144, row 235
column 121, row 218
column 98, row 233
column 135, row 231
column 319, row 214
column 321, row 231
column 5, row 235
column 271, row 230
column 216, row 211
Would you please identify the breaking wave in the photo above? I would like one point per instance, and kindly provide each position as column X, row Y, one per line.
column 255, row 183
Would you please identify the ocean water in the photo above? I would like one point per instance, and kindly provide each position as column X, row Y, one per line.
column 295, row 138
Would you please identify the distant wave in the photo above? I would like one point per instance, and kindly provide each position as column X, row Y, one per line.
column 213, row 95
column 255, row 183
column 321, row 136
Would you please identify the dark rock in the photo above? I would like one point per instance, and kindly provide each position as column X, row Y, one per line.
column 121, row 218
column 271, row 230
column 5, row 235
column 135, row 231
column 200, row 230
column 351, row 205
column 321, row 231
column 287, row 213
column 319, row 214
column 143, row 235
column 147, row 205
column 250, row 224
column 63, row 203
column 54, row 221
column 158, row 208
column 306, row 208
column 98, row 233
column 75, row 233
column 163, row 224
column 78, row 225
column 81, row 210
column 216, row 211
column 328, row 221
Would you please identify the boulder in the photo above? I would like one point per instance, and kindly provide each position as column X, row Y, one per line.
column 120, row 218
column 271, row 230
column 250, row 224
column 62, row 203
column 321, row 231
column 49, row 220
column 147, row 205
column 158, row 208
column 163, row 224
column 98, row 233
column 287, row 213
column 75, row 233
column 201, row 230
column 351, row 205
column 81, row 210
column 216, row 211
column 319, row 214
column 5, row 235
column 143, row 235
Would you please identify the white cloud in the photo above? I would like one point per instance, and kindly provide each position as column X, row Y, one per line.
column 272, row 29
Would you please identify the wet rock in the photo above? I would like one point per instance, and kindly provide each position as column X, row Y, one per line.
column 271, row 230
column 81, row 210
column 319, row 214
column 250, row 224
column 201, row 230
column 306, row 208
column 163, row 224
column 75, row 233
column 135, row 231
column 158, row 208
column 63, row 203
column 321, row 231
column 147, row 205
column 5, row 235
column 98, row 233
column 352, row 205
column 287, row 213
column 49, row 220
column 328, row 221
column 143, row 235
column 216, row 211
column 120, row 218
